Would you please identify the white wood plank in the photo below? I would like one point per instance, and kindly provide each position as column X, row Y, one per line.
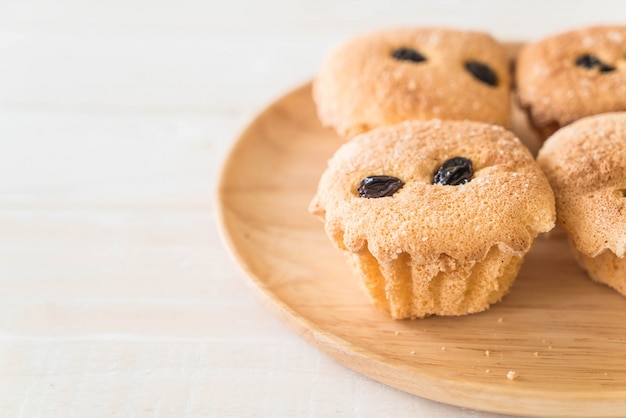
column 76, row 378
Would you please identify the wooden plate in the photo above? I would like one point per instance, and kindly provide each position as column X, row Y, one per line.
column 562, row 334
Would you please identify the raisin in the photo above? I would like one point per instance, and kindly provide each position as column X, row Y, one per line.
column 408, row 54
column 605, row 68
column 379, row 186
column 590, row 62
column 482, row 72
column 454, row 172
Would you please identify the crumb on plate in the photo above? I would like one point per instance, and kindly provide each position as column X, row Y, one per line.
column 512, row 375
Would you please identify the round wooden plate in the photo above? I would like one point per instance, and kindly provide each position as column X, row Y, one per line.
column 562, row 334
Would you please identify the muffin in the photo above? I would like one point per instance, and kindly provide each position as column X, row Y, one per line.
column 568, row 76
column 585, row 163
column 434, row 217
column 390, row 76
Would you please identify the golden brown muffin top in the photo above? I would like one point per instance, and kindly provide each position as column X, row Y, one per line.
column 585, row 163
column 574, row 74
column 361, row 85
column 506, row 203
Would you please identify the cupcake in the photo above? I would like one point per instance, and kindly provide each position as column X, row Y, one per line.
column 390, row 76
column 435, row 217
column 571, row 75
column 585, row 163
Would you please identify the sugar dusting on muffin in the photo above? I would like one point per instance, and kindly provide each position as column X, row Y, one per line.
column 585, row 163
column 390, row 76
column 445, row 249
column 568, row 76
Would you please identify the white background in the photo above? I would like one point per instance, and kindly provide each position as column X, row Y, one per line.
column 117, row 297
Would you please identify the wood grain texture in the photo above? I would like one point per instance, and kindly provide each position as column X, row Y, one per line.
column 561, row 333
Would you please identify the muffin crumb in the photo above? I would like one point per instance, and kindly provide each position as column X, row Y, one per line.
column 512, row 375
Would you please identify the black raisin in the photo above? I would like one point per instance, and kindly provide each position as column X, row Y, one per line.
column 591, row 62
column 379, row 186
column 605, row 68
column 482, row 72
column 588, row 61
column 408, row 54
column 454, row 172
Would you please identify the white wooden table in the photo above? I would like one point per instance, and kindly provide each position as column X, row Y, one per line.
column 117, row 295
